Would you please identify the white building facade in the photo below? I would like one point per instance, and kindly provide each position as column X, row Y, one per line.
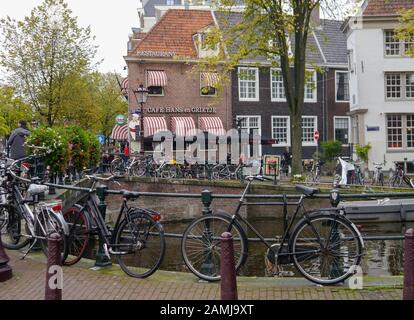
column 381, row 87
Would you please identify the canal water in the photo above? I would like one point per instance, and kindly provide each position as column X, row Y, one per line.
column 381, row 257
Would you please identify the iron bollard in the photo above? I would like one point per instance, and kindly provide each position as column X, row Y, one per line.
column 206, row 199
column 54, row 273
column 102, row 260
column 408, row 293
column 5, row 270
column 228, row 281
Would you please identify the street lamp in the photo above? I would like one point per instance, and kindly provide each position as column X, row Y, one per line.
column 141, row 94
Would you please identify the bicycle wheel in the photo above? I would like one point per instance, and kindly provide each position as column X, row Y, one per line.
column 326, row 248
column 78, row 238
column 381, row 179
column 141, row 240
column 117, row 167
column 200, row 246
column 138, row 169
column 11, row 229
column 220, row 172
column 47, row 225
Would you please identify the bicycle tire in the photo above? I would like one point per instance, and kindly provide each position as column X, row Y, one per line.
column 142, row 223
column 79, row 234
column 209, row 270
column 117, row 167
column 137, row 169
column 51, row 226
column 335, row 226
column 11, row 232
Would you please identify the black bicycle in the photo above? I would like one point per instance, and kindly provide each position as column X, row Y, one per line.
column 324, row 245
column 137, row 239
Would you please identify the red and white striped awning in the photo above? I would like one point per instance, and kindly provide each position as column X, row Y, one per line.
column 156, row 79
column 213, row 125
column 120, row 133
column 183, row 126
column 209, row 79
column 153, row 125
column 124, row 86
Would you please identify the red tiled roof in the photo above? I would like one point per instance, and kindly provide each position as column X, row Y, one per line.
column 387, row 7
column 174, row 32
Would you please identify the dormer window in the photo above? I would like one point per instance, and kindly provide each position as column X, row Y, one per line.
column 201, row 41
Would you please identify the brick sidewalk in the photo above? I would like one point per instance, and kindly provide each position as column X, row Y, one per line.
column 82, row 283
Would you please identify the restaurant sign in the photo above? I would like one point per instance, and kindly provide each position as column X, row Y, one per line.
column 156, row 54
column 207, row 110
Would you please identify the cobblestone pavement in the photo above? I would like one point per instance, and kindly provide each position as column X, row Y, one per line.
column 83, row 283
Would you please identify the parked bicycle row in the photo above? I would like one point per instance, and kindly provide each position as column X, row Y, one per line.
column 324, row 245
column 149, row 167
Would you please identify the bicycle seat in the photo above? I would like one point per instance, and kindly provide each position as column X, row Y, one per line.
column 307, row 191
column 36, row 189
column 129, row 195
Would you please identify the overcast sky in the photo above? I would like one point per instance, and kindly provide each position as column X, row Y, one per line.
column 110, row 20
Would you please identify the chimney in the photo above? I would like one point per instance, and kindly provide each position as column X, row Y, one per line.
column 316, row 16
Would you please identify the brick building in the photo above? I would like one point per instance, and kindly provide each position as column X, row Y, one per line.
column 181, row 98
column 258, row 98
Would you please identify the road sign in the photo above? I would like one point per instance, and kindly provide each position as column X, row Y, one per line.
column 316, row 135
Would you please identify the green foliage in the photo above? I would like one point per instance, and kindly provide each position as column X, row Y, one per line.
column 405, row 29
column 331, row 149
column 12, row 109
column 363, row 151
column 52, row 146
column 65, row 146
column 41, row 52
column 78, row 141
column 94, row 150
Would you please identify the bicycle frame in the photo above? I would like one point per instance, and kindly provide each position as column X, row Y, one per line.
column 287, row 225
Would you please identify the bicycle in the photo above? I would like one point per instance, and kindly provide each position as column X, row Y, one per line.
column 324, row 245
column 378, row 177
column 313, row 175
column 399, row 177
column 224, row 171
column 22, row 224
column 137, row 239
column 132, row 167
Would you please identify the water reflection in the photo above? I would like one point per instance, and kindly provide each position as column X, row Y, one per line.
column 382, row 257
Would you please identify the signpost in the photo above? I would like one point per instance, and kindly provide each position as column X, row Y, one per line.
column 316, row 138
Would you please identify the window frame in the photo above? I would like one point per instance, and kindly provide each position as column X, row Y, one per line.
column 278, row 99
column 403, row 86
column 207, row 95
column 403, row 141
column 257, row 80
column 401, row 45
column 146, row 82
column 315, row 89
column 315, row 127
column 288, row 133
column 349, row 128
column 336, row 87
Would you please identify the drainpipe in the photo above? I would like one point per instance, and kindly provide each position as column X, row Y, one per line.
column 324, row 111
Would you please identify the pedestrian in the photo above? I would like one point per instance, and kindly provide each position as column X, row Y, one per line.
column 17, row 140
column 287, row 161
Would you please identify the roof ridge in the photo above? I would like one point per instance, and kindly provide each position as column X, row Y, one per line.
column 134, row 51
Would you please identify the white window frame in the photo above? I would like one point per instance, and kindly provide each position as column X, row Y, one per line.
column 248, row 127
column 256, row 98
column 349, row 128
column 315, row 89
column 336, row 87
column 401, row 45
column 307, row 143
column 403, row 86
column 278, row 99
column 288, row 143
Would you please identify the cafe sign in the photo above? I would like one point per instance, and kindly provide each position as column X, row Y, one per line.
column 200, row 110
column 120, row 120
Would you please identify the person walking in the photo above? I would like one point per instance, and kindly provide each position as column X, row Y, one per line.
column 16, row 141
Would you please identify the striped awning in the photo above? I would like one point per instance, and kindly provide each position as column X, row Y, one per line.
column 153, row 125
column 183, row 126
column 156, row 79
column 209, row 79
column 212, row 125
column 120, row 133
column 124, row 86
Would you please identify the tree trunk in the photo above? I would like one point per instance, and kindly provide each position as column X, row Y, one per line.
column 296, row 118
